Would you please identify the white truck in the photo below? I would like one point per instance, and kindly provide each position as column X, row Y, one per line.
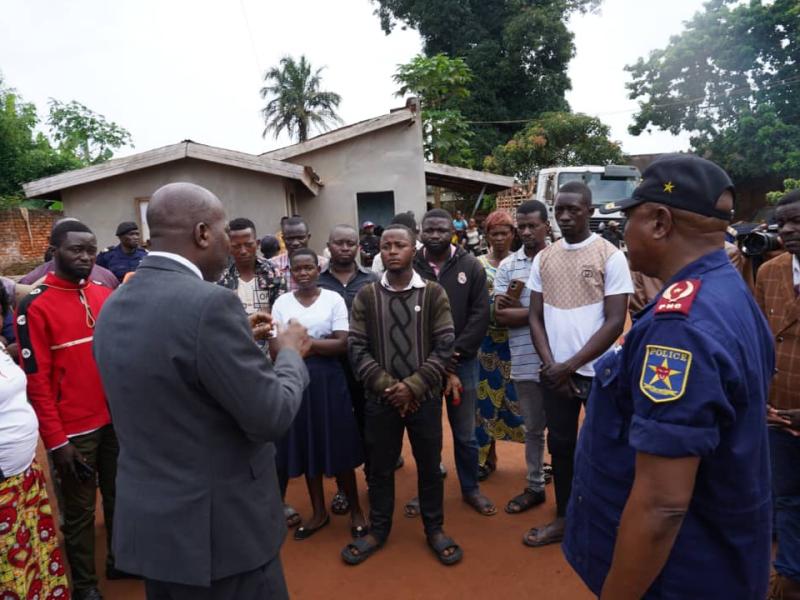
column 608, row 183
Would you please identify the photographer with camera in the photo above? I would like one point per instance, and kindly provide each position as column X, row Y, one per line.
column 778, row 295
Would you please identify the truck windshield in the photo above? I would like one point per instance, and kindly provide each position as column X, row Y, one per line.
column 604, row 189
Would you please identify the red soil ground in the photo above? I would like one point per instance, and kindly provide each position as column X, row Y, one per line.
column 496, row 564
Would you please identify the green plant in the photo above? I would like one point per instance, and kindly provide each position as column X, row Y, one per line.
column 732, row 80
column 788, row 186
column 517, row 50
column 439, row 82
column 555, row 139
column 296, row 102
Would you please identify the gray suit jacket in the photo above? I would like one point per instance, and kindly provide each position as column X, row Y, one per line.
column 195, row 405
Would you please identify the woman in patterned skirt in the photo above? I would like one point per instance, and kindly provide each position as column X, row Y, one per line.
column 31, row 565
column 498, row 415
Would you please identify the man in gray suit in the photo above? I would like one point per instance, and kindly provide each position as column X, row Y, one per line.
column 196, row 405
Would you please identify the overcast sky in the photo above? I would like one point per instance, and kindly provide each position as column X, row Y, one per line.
column 168, row 70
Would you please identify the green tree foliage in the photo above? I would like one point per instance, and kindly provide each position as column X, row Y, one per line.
column 296, row 103
column 83, row 133
column 25, row 154
column 788, row 186
column 81, row 138
column 518, row 51
column 555, row 139
column 440, row 82
column 732, row 79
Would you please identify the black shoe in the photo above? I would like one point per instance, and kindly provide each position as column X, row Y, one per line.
column 113, row 574
column 400, row 462
column 91, row 593
column 443, row 470
column 303, row 532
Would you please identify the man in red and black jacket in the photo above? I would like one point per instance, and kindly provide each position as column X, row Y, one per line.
column 55, row 328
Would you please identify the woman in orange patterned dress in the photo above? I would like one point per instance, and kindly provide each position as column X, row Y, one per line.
column 498, row 414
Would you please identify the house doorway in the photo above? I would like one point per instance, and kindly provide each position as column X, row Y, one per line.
column 377, row 207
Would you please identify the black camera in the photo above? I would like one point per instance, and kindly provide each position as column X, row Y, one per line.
column 758, row 243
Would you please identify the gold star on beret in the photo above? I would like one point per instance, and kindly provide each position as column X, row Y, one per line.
column 669, row 187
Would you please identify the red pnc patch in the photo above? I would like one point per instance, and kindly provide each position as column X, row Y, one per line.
column 679, row 297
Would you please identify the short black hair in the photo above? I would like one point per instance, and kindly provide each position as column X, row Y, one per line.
column 60, row 231
column 270, row 246
column 292, row 221
column 530, row 207
column 241, row 223
column 579, row 188
column 303, row 252
column 405, row 218
column 401, row 227
column 789, row 198
column 437, row 213
column 5, row 302
column 343, row 226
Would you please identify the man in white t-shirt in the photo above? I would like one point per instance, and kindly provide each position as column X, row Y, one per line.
column 579, row 297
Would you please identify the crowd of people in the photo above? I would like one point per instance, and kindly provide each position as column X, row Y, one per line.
column 273, row 362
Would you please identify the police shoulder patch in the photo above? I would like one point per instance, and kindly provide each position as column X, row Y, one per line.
column 665, row 373
column 679, row 297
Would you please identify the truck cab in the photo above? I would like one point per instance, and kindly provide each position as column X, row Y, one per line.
column 608, row 183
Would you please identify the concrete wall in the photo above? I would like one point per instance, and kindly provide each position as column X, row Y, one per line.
column 389, row 159
column 104, row 204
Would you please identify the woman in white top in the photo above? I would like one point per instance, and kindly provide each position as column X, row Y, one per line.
column 323, row 439
column 30, row 559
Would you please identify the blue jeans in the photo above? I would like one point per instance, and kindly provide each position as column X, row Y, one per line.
column 462, row 423
column 785, row 455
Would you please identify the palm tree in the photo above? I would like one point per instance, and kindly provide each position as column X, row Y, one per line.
column 296, row 102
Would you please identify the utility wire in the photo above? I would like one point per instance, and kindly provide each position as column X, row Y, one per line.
column 253, row 46
column 734, row 92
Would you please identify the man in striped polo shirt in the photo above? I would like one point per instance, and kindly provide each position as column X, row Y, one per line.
column 512, row 300
column 579, row 297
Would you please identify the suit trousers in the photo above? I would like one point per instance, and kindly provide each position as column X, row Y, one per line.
column 100, row 449
column 264, row 583
column 384, row 429
column 562, row 413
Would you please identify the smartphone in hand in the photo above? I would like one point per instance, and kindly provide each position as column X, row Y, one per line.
column 515, row 288
column 84, row 471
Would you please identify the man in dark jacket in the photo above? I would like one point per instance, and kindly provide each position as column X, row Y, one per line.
column 198, row 511
column 464, row 280
column 125, row 257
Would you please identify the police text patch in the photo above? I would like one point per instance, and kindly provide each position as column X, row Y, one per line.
column 665, row 373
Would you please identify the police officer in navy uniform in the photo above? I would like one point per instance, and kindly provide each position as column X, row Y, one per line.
column 125, row 256
column 671, row 493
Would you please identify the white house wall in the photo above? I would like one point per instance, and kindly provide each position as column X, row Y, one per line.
column 389, row 159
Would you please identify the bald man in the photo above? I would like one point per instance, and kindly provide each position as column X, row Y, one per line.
column 197, row 407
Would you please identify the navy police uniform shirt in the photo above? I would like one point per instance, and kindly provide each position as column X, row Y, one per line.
column 690, row 379
column 120, row 262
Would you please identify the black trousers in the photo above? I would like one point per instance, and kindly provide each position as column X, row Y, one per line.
column 100, row 449
column 384, row 429
column 562, row 413
column 264, row 583
column 357, row 396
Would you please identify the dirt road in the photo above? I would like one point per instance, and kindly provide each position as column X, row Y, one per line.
column 496, row 565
